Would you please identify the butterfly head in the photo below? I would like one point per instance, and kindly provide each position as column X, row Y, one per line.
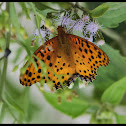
column 60, row 29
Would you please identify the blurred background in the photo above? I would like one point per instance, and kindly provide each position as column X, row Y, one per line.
column 19, row 104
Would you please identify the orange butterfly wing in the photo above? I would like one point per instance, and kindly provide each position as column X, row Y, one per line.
column 75, row 57
column 55, row 60
column 87, row 57
column 32, row 75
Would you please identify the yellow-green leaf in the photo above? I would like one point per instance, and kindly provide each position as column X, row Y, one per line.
column 99, row 11
column 115, row 92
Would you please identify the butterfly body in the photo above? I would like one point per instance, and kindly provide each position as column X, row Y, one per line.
column 64, row 47
column 68, row 56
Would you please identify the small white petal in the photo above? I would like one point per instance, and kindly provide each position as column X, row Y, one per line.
column 66, row 20
column 90, row 39
column 71, row 86
column 85, row 18
column 92, row 27
column 43, row 33
column 101, row 42
column 36, row 32
column 83, row 85
column 79, row 26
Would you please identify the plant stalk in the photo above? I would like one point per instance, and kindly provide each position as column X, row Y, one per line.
column 5, row 59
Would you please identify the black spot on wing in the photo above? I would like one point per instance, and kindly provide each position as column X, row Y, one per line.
column 80, row 49
column 48, row 57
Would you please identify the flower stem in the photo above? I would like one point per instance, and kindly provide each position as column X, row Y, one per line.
column 5, row 60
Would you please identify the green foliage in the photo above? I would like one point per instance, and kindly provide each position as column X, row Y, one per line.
column 99, row 11
column 115, row 92
column 103, row 118
column 74, row 107
column 14, row 16
column 108, row 89
column 25, row 9
column 120, row 119
column 41, row 13
column 114, row 15
column 113, row 72
column 15, row 68
column 42, row 6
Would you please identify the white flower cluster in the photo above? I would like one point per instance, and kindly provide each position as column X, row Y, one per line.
column 85, row 27
column 45, row 33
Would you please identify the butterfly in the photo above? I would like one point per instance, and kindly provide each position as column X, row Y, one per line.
column 67, row 55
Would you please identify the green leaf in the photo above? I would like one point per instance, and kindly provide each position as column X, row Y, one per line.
column 2, row 111
column 95, row 120
column 15, row 68
column 63, row 5
column 19, row 103
column 25, row 9
column 18, row 52
column 92, row 109
column 115, row 92
column 14, row 16
column 26, row 44
column 4, row 18
column 99, row 11
column 10, row 102
column 38, row 23
column 42, row 6
column 73, row 108
column 114, row 15
column 120, row 119
column 116, row 69
column 41, row 13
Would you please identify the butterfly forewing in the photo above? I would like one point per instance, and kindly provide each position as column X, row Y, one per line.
column 88, row 57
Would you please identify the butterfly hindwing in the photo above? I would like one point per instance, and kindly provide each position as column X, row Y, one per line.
column 44, row 53
column 88, row 57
